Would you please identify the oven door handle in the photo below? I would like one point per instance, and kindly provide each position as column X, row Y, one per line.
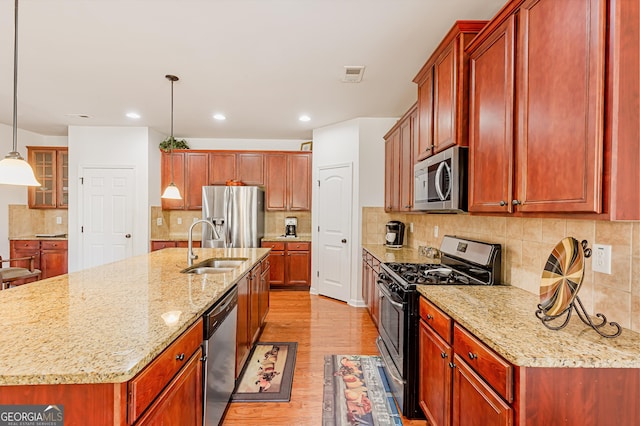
column 388, row 296
column 387, row 361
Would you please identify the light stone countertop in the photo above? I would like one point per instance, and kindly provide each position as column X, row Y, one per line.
column 300, row 238
column 503, row 317
column 104, row 324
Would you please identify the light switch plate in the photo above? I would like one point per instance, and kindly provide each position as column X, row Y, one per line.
column 58, row 220
column 179, row 221
column 601, row 258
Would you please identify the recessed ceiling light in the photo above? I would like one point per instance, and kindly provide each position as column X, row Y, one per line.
column 133, row 115
column 78, row 115
column 304, row 118
column 219, row 117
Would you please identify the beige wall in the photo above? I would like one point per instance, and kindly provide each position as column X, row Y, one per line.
column 527, row 244
column 25, row 222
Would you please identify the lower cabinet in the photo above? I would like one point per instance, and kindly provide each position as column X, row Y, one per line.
column 253, row 305
column 460, row 378
column 51, row 256
column 290, row 264
column 159, row 245
column 370, row 292
column 169, row 390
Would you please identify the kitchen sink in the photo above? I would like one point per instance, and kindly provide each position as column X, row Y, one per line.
column 215, row 265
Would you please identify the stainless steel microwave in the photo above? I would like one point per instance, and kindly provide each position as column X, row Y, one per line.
column 440, row 181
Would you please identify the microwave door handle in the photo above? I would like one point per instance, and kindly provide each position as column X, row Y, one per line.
column 437, row 181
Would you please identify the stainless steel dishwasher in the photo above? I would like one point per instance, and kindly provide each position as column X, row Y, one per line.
column 219, row 357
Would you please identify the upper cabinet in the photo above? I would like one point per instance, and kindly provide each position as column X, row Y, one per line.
column 400, row 150
column 51, row 168
column 288, row 181
column 285, row 175
column 537, row 108
column 442, row 92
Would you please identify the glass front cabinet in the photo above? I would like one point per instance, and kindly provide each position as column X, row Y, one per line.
column 51, row 167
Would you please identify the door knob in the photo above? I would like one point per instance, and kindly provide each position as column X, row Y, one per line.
column 344, row 241
column 128, row 236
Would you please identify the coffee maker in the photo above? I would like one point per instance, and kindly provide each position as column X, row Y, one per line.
column 394, row 236
column 290, row 224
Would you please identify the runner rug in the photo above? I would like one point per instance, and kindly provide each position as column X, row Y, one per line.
column 268, row 374
column 356, row 392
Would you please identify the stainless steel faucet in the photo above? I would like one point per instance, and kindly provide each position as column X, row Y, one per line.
column 191, row 255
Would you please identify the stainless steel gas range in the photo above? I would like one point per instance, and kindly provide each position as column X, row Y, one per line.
column 462, row 262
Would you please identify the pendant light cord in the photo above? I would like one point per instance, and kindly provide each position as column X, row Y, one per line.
column 172, row 78
column 15, row 80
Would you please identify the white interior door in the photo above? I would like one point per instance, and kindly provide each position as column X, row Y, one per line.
column 107, row 196
column 334, row 210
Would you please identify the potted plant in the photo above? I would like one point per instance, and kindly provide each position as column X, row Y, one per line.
column 172, row 143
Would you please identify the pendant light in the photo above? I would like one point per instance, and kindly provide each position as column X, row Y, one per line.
column 171, row 192
column 14, row 170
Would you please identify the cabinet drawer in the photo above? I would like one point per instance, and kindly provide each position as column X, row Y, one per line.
column 298, row 246
column 497, row 372
column 147, row 385
column 437, row 319
column 273, row 245
column 26, row 244
column 53, row 245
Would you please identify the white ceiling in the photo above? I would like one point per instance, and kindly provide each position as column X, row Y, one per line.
column 260, row 62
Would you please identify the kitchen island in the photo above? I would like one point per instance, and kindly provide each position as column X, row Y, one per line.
column 77, row 340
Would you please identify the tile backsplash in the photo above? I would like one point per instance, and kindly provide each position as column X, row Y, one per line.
column 171, row 229
column 26, row 222
column 527, row 243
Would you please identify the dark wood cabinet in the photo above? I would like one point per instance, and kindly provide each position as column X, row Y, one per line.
column 50, row 256
column 536, row 120
column 197, row 176
column 176, row 176
column 243, row 342
column 159, row 245
column 285, row 175
column 288, row 181
column 443, row 91
column 435, row 376
column 51, row 168
column 370, row 292
column 450, row 390
column 222, row 167
column 290, row 264
column 399, row 160
column 253, row 305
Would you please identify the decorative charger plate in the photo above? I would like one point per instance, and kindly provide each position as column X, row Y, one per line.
column 561, row 277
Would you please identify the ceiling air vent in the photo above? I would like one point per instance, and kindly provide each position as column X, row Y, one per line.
column 353, row 74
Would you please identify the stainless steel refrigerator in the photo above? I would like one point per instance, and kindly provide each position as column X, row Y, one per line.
column 237, row 215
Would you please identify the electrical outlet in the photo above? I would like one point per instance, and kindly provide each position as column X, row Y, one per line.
column 195, row 219
column 435, row 231
column 410, row 226
column 179, row 221
column 58, row 220
column 601, row 258
column 159, row 221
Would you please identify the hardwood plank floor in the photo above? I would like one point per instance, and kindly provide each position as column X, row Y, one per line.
column 321, row 326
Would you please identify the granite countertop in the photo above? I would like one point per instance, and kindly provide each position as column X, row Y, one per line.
column 402, row 255
column 41, row 237
column 104, row 324
column 503, row 317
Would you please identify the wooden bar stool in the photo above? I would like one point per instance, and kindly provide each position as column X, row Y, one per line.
column 14, row 275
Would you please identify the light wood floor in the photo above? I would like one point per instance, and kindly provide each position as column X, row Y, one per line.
column 321, row 326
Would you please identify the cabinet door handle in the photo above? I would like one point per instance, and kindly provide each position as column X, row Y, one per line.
column 429, row 316
column 452, row 365
column 502, row 203
column 516, row 202
column 180, row 357
column 443, row 355
column 472, row 355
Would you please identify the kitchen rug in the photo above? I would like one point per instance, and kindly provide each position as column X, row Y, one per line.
column 268, row 374
column 356, row 392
